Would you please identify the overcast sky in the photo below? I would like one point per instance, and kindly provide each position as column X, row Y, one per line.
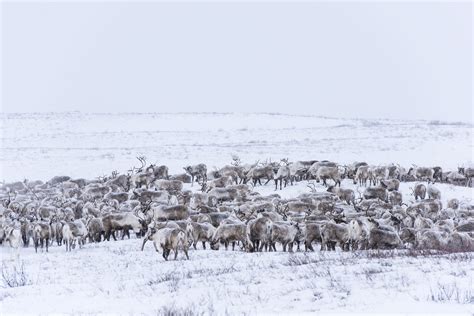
column 368, row 59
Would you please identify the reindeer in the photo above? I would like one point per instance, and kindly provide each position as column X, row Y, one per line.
column 284, row 233
column 362, row 175
column 257, row 173
column 299, row 169
column 72, row 232
column 122, row 181
column 376, row 193
column 419, row 191
column 378, row 174
column 198, row 172
column 227, row 233
column 390, row 184
column 41, row 235
column 169, row 239
column 283, row 174
column 346, row 195
column 158, row 172
column 468, row 173
column 202, row 232
column 332, row 234
column 141, row 176
column 421, row 173
column 326, row 173
column 260, row 232
column 114, row 222
column 433, row 192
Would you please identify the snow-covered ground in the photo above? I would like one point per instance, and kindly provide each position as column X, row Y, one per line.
column 117, row 278
column 39, row 146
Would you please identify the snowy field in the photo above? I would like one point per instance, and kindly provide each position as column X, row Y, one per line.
column 118, row 278
column 40, row 146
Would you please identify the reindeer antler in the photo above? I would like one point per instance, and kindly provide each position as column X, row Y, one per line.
column 235, row 161
column 312, row 187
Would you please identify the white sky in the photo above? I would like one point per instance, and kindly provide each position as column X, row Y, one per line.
column 368, row 59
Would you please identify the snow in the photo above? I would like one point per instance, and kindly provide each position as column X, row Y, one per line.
column 42, row 145
column 118, row 278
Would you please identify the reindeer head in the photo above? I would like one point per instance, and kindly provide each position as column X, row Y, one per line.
column 235, row 161
column 284, row 161
column 142, row 160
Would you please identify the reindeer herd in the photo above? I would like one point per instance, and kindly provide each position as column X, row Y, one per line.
column 224, row 209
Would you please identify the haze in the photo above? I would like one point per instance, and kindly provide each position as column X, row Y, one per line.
column 348, row 59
